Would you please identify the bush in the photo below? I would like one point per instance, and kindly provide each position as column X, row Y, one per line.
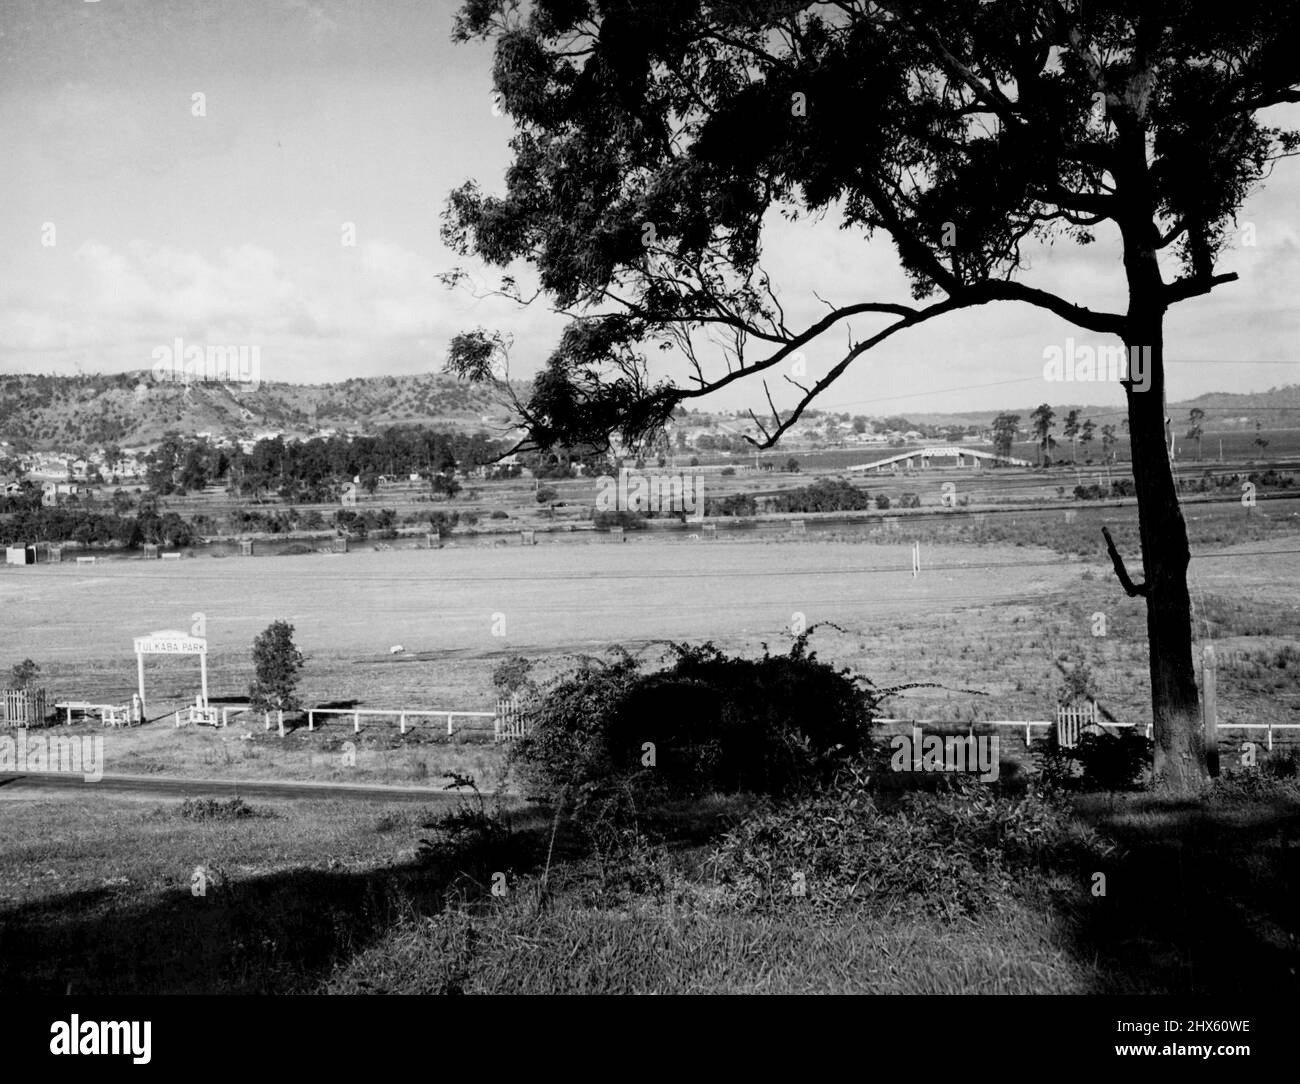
column 1100, row 761
column 512, row 675
column 1283, row 765
column 1114, row 761
column 709, row 722
column 727, row 472
column 443, row 522
column 499, row 514
column 209, row 809
column 882, row 502
column 949, row 854
column 633, row 521
column 545, row 495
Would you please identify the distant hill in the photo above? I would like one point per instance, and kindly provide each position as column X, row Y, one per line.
column 1277, row 408
column 130, row 409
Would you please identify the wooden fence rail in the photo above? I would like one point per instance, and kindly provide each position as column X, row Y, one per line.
column 401, row 713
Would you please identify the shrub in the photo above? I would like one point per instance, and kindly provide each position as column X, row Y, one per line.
column 950, row 854
column 24, row 675
column 209, row 809
column 1100, row 761
column 499, row 514
column 709, row 722
column 545, row 495
column 443, row 522
column 1077, row 685
column 882, row 502
column 727, row 472
column 1283, row 765
column 512, row 675
column 621, row 517
column 1113, row 762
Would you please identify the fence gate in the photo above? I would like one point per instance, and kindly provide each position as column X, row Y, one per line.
column 511, row 719
column 1072, row 720
column 24, row 707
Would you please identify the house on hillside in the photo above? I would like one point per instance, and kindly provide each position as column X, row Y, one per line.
column 52, row 491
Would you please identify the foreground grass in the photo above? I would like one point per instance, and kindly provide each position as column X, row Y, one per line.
column 569, row 949
column 1201, row 897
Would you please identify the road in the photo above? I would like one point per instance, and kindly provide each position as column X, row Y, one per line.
column 29, row 783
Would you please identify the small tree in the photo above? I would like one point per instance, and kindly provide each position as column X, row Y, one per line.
column 23, row 676
column 1004, row 433
column 1196, row 430
column 1086, row 433
column 1108, row 442
column 277, row 665
column 1071, row 428
column 514, row 677
column 444, row 485
column 1042, row 419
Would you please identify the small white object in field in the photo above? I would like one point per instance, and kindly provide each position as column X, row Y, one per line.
column 396, row 649
column 246, row 736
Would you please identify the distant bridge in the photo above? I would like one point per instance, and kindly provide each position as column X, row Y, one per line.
column 946, row 451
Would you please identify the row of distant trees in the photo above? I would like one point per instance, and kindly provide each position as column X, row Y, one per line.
column 94, row 528
column 1082, row 431
column 313, row 470
column 1075, row 428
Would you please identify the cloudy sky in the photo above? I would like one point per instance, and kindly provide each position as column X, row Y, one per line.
column 198, row 163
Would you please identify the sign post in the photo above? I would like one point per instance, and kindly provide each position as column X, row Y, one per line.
column 171, row 642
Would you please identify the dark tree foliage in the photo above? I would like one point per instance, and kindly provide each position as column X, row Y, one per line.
column 707, row 722
column 654, row 140
column 277, row 666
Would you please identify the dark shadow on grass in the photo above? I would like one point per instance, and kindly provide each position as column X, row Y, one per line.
column 1199, row 903
column 279, row 933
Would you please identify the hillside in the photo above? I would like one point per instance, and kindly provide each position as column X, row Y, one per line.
column 59, row 412
column 1277, row 408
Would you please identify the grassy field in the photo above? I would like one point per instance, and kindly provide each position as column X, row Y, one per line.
column 338, row 897
column 999, row 610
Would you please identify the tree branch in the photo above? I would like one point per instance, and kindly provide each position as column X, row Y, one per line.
column 1182, row 289
column 1130, row 588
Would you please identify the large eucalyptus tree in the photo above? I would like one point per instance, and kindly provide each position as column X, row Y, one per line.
column 654, row 141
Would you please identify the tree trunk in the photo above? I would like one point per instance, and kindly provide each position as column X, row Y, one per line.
column 1180, row 763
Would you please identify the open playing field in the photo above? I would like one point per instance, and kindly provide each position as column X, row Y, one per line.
column 992, row 625
column 489, row 601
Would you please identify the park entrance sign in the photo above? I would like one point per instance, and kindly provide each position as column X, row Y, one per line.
column 172, row 642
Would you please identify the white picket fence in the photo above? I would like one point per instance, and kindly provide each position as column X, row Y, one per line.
column 1073, row 721
column 512, row 719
